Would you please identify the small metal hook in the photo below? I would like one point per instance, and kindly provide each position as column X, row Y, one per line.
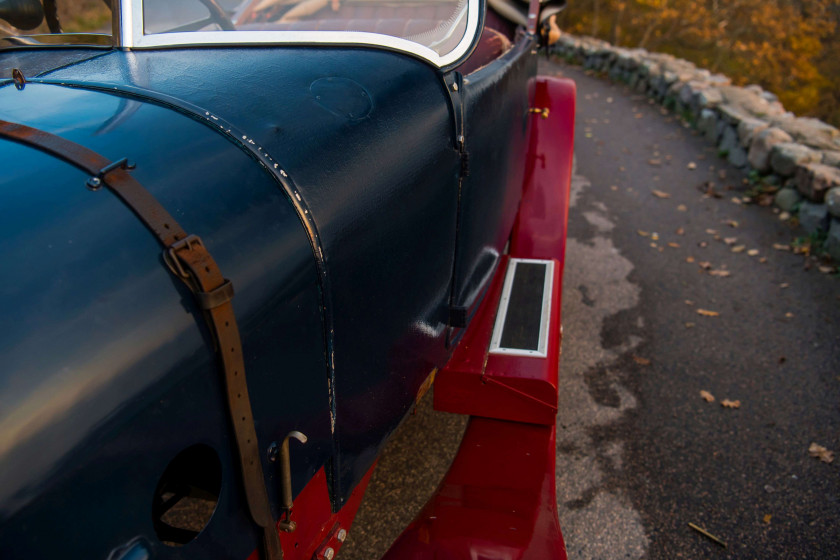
column 286, row 524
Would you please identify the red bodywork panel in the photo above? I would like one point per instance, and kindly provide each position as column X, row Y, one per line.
column 318, row 527
column 497, row 500
column 499, row 385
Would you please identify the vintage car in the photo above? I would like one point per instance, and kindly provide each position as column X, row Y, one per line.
column 382, row 184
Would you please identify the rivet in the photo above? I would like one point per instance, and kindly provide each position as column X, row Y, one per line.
column 273, row 451
column 94, row 183
column 329, row 553
column 342, row 535
column 455, row 87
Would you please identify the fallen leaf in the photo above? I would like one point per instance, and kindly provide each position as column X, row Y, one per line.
column 707, row 396
column 613, row 188
column 707, row 313
column 730, row 240
column 746, row 199
column 643, row 233
column 784, row 216
column 826, row 269
column 691, row 165
column 689, row 302
column 752, row 252
column 673, row 245
column 660, row 194
column 689, row 259
column 638, row 115
column 689, row 325
column 784, row 285
column 732, row 223
column 711, row 231
column 654, row 236
column 739, row 248
column 762, row 260
column 609, row 99
column 730, row 404
column 736, row 200
column 720, row 273
column 780, row 247
column 682, row 208
column 705, row 265
column 641, row 361
column 789, row 315
column 654, row 245
column 655, row 162
column 680, row 231
column 819, row 452
column 767, row 518
column 765, row 199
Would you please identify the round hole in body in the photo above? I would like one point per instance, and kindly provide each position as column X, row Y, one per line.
column 186, row 495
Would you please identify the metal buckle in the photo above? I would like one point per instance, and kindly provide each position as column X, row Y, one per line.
column 171, row 255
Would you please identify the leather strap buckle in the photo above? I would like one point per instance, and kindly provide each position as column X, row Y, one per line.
column 171, row 254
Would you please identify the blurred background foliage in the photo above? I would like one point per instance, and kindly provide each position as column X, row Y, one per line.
column 789, row 47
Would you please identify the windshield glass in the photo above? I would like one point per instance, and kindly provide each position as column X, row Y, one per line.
column 438, row 30
column 439, row 25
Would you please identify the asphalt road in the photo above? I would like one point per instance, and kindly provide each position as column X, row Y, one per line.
column 640, row 453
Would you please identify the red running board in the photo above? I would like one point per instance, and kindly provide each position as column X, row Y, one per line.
column 498, row 498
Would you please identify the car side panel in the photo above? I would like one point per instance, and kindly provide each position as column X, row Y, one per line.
column 496, row 102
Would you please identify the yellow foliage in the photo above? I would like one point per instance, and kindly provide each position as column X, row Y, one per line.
column 787, row 46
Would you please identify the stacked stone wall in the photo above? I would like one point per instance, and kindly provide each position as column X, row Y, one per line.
column 797, row 157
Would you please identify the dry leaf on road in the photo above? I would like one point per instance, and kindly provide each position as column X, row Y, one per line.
column 711, row 231
column 739, row 248
column 673, row 245
column 705, row 265
column 720, row 273
column 641, row 361
column 691, row 165
column 826, row 269
column 767, row 518
column 732, row 223
column 780, row 247
column 689, row 259
column 753, row 252
column 680, row 231
column 642, row 233
column 682, row 208
column 660, row 194
column 819, row 452
column 730, row 240
column 726, row 403
column 707, row 313
column 707, row 396
column 655, row 162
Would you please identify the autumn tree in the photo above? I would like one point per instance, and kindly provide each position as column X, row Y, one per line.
column 787, row 46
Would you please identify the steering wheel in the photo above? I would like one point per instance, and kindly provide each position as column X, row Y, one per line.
column 217, row 15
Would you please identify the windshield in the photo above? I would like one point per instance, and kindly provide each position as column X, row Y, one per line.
column 440, row 30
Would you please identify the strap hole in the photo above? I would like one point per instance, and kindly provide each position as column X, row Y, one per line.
column 206, row 269
column 166, row 226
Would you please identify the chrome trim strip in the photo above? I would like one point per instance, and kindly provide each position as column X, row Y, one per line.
column 545, row 314
column 132, row 36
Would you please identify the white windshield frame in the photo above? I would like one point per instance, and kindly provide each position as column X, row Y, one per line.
column 133, row 37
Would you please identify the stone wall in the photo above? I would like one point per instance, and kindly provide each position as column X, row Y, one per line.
column 796, row 157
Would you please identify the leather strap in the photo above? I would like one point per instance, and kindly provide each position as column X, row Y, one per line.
column 190, row 261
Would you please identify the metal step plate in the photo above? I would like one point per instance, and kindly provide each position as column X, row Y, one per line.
column 522, row 321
